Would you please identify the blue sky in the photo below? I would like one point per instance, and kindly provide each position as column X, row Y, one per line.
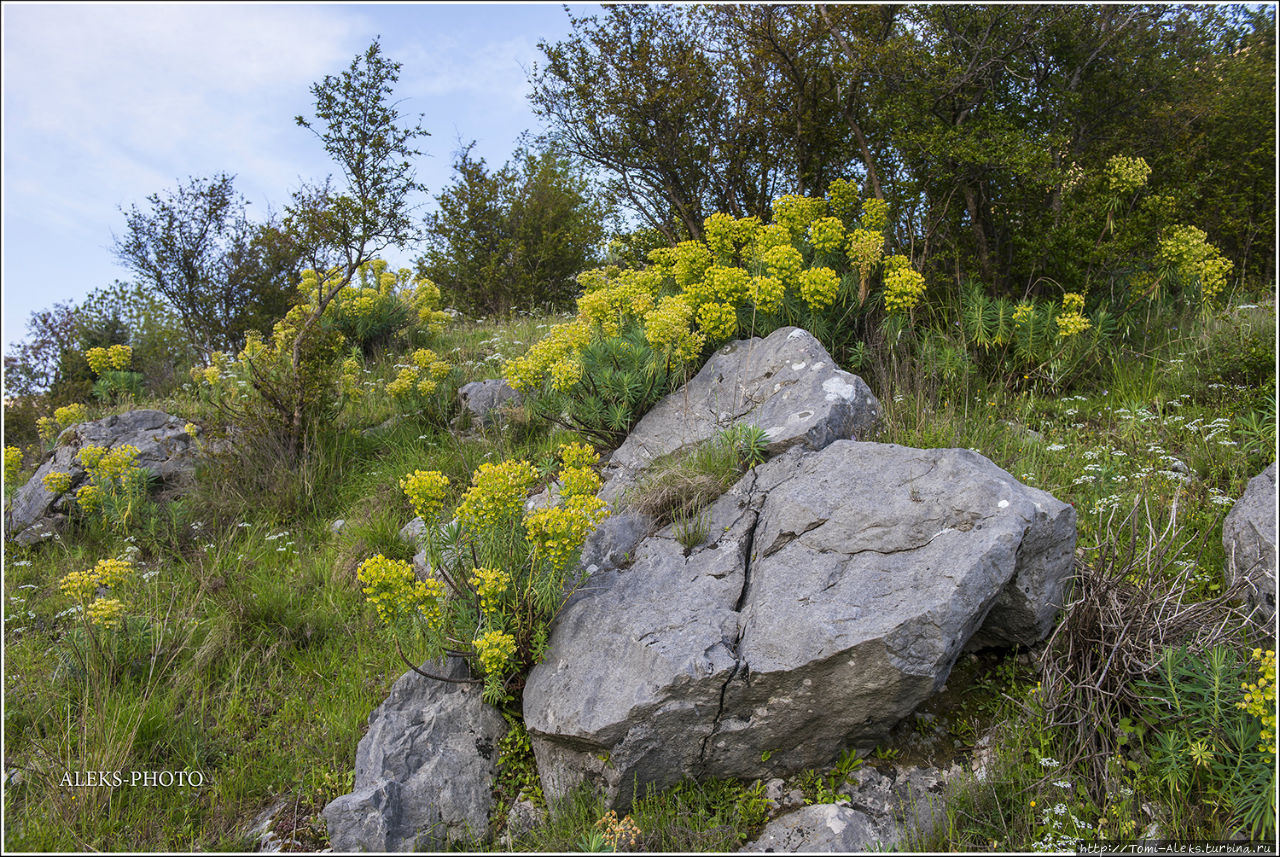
column 104, row 104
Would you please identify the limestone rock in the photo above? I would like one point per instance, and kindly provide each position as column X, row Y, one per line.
column 424, row 771
column 164, row 448
column 833, row 597
column 821, row 829
column 1249, row 538
column 483, row 401
column 785, row 383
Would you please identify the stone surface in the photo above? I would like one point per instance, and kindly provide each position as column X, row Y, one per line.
column 785, row 383
column 524, row 816
column 833, row 596
column 164, row 448
column 424, row 771
column 414, row 531
column 820, row 829
column 484, row 401
column 1249, row 538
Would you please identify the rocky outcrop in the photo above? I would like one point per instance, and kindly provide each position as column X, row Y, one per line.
column 1249, row 538
column 785, row 383
column 834, row 595
column 164, row 448
column 424, row 771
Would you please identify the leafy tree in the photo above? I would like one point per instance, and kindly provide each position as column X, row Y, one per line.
column 338, row 231
column 513, row 237
column 222, row 273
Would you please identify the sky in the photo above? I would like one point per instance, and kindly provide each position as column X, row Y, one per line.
column 105, row 104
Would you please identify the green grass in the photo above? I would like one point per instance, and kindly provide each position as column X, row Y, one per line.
column 253, row 658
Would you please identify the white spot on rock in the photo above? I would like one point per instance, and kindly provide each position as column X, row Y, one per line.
column 1003, row 504
column 837, row 389
column 796, row 367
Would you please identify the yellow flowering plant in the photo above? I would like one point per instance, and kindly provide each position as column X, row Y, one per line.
column 498, row 573
column 640, row 331
column 116, row 492
column 310, row 368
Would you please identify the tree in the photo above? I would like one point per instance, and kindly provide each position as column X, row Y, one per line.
column 515, row 237
column 339, row 231
column 222, row 273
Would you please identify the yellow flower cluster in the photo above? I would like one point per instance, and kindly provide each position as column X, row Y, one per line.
column 1022, row 312
column 719, row 321
column 875, row 215
column 422, row 378
column 426, row 490
column 106, row 466
column 1260, row 700
column 578, row 482
column 611, row 297
column 561, row 342
column 668, row 328
column 903, row 286
column 350, row 382
column 692, row 258
column 865, row 248
column 47, row 428
column 12, row 461
column 83, row 585
column 1184, row 249
column 842, row 196
column 578, row 455
column 784, row 262
column 1125, row 175
column 721, row 284
column 819, row 287
column 726, row 237
column 106, row 612
column 105, row 359
column 71, row 414
column 490, row 584
column 1072, row 320
column 56, row 482
column 495, row 649
column 557, row 533
column 795, row 213
column 497, row 493
column 767, row 293
column 395, row 591
column 826, row 234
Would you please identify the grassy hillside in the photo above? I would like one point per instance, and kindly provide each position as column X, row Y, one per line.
column 250, row 655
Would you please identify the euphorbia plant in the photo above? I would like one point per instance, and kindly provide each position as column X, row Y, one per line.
column 497, row 574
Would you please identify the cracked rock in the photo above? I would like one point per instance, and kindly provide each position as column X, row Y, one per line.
column 424, row 771
column 833, row 597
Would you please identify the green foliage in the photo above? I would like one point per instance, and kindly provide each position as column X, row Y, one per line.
column 678, row 488
column 514, row 238
column 222, row 274
column 1208, row 742
column 498, row 575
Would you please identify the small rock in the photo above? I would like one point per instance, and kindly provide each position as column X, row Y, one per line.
column 414, row 531
column 336, row 526
column 825, row 828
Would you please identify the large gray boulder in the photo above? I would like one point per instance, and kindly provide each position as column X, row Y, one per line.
column 1249, row 538
column 833, row 597
column 164, row 448
column 424, row 771
column 785, row 383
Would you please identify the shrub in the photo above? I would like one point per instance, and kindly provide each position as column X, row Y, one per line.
column 498, row 575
